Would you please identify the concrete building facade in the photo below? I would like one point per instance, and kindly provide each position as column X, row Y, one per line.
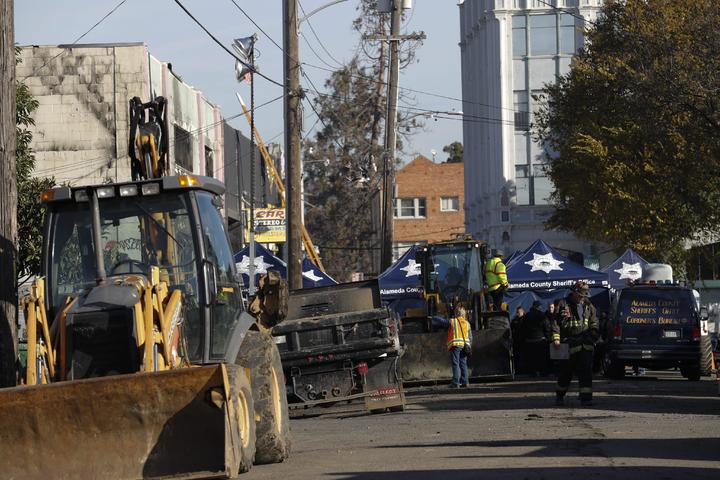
column 81, row 125
column 509, row 50
column 428, row 203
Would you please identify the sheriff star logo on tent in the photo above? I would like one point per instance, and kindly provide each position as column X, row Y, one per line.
column 412, row 269
column 310, row 274
column 260, row 265
column 547, row 263
column 632, row 271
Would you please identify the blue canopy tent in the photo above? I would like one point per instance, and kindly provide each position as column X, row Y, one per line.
column 541, row 267
column 628, row 266
column 401, row 284
column 402, row 278
column 542, row 273
column 513, row 256
column 312, row 276
column 265, row 260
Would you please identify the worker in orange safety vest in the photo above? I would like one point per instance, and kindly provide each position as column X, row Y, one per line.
column 459, row 341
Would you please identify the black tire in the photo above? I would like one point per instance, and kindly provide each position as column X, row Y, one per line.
column 241, row 395
column 259, row 353
column 706, row 355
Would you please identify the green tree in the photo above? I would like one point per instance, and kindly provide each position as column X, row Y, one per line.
column 30, row 213
column 634, row 128
column 454, row 151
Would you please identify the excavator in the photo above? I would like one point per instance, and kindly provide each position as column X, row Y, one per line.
column 141, row 360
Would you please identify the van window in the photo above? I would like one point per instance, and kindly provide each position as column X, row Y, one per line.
column 656, row 307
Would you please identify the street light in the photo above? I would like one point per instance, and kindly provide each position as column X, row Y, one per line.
column 245, row 48
column 323, row 7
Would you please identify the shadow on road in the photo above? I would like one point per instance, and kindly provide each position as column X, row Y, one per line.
column 665, row 396
column 701, row 449
column 604, row 473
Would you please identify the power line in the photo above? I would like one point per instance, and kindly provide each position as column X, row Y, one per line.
column 247, row 155
column 436, row 113
column 267, row 141
column 312, row 29
column 325, row 125
column 307, row 42
column 317, row 92
column 65, row 48
column 319, row 118
column 243, row 63
column 256, row 25
column 406, row 89
column 307, row 134
column 332, row 69
column 316, row 112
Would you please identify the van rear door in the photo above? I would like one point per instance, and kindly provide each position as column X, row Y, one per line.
column 656, row 315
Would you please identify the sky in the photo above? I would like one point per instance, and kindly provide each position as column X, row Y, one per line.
column 173, row 37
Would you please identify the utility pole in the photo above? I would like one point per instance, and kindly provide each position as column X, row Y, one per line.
column 291, row 69
column 251, row 266
column 8, row 198
column 391, row 136
column 378, row 163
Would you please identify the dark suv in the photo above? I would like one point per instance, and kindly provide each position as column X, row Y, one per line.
column 656, row 327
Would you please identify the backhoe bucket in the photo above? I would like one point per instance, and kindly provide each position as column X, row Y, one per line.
column 426, row 358
column 176, row 423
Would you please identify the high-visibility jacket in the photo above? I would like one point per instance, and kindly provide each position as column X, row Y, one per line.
column 495, row 274
column 458, row 333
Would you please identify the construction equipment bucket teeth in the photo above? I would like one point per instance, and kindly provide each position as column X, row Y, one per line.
column 147, row 425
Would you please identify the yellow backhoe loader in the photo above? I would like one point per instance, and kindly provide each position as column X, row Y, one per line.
column 452, row 273
column 141, row 362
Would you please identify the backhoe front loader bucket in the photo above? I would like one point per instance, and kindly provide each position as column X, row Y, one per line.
column 184, row 423
column 426, row 358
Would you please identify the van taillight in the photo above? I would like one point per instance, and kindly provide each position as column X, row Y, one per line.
column 617, row 332
column 696, row 334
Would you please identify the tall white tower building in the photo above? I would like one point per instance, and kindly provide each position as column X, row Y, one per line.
column 509, row 50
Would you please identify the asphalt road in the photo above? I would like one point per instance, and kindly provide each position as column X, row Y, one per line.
column 655, row 427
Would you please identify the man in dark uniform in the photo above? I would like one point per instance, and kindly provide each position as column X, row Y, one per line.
column 535, row 333
column 575, row 322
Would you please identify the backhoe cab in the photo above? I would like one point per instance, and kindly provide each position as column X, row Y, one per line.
column 103, row 239
column 140, row 283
